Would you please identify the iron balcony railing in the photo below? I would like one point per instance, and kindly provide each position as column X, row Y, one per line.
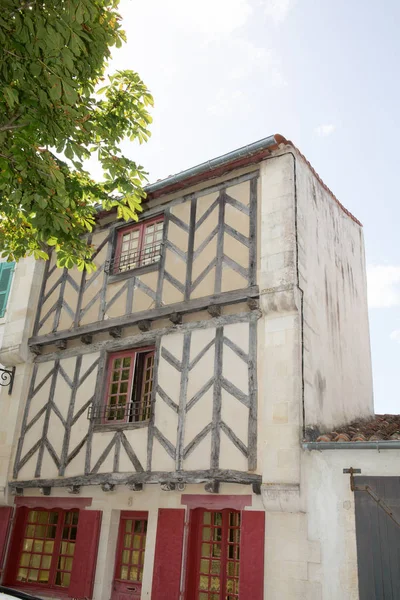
column 126, row 261
column 132, row 412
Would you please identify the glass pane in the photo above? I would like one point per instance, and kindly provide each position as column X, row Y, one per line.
column 123, row 388
column 124, row 572
column 43, row 517
column 136, row 541
column 127, row 541
column 71, row 549
column 40, row 531
column 204, row 566
column 135, row 558
column 64, row 547
column 51, row 531
column 125, row 374
column 28, row 545
column 117, row 363
column 53, row 518
column 127, row 361
column 203, row 582
column 128, row 526
column 216, row 550
column 205, row 549
column 32, row 516
column 37, row 546
column 72, row 533
column 35, row 560
column 214, row 584
column 138, row 526
column 206, row 534
column 215, row 567
column 33, row 575
column 207, row 518
column 30, row 531
column 66, row 579
column 44, row 576
column 46, row 561
column 24, row 562
column 22, row 574
column 133, row 575
column 75, row 517
column 125, row 556
column 68, row 564
column 61, row 563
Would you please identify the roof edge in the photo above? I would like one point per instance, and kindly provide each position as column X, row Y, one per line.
column 378, row 445
column 231, row 159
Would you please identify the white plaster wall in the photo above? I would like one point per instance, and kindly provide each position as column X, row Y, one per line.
column 329, row 502
column 338, row 374
column 15, row 329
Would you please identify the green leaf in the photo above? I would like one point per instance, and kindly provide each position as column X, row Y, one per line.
column 35, row 68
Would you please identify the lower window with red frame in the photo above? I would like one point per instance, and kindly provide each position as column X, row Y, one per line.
column 214, row 555
column 48, row 546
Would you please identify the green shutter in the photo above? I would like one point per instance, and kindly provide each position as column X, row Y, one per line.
column 6, row 272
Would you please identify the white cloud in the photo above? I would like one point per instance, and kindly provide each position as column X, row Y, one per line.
column 208, row 17
column 395, row 335
column 324, row 130
column 383, row 286
column 277, row 10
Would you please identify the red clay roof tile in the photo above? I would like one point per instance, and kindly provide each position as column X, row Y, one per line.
column 379, row 427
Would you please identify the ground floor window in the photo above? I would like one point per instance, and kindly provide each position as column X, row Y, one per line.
column 215, row 562
column 129, row 561
column 48, row 546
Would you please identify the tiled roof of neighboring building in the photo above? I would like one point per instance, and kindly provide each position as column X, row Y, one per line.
column 380, row 427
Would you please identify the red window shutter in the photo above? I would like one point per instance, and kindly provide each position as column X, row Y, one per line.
column 5, row 519
column 85, row 557
column 168, row 554
column 14, row 549
column 252, row 540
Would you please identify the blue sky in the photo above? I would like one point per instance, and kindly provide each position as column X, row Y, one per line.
column 225, row 73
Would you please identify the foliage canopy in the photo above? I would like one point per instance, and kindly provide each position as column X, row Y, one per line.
column 53, row 55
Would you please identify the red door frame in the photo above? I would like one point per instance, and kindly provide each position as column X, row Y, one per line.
column 194, row 547
column 124, row 516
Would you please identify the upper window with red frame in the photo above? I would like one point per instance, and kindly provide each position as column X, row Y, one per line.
column 47, row 549
column 138, row 245
column 129, row 386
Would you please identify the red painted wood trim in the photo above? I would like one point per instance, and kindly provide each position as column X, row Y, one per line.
column 53, row 502
column 85, row 557
column 168, row 554
column 216, row 502
column 134, row 514
column 17, row 535
column 252, row 542
column 5, row 522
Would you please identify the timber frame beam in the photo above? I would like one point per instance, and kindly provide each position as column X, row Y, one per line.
column 214, row 302
column 133, row 481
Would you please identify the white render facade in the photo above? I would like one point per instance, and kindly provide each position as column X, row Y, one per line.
column 266, row 347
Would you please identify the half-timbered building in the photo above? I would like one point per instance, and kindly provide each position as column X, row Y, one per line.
column 159, row 402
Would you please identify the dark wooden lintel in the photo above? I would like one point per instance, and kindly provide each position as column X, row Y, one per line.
column 115, row 332
column 45, row 490
column 135, row 487
column 147, row 477
column 107, row 487
column 61, row 344
column 176, row 318
column 180, row 308
column 257, row 488
column 168, row 486
column 144, row 325
column 252, row 303
column 214, row 310
column 87, row 338
column 212, row 487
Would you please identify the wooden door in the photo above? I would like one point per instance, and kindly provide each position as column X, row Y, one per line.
column 129, row 560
